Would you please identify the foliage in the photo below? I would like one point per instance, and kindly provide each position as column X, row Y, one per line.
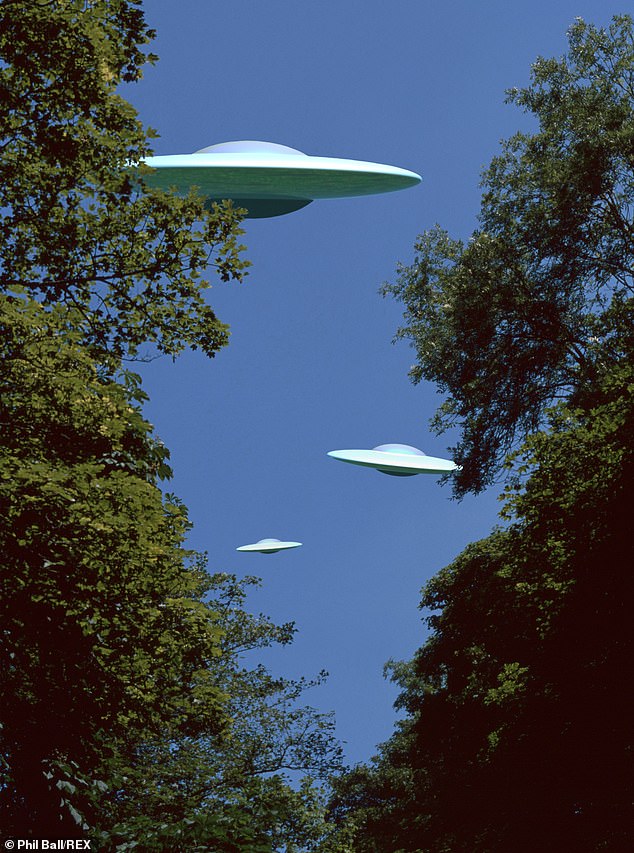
column 232, row 792
column 129, row 709
column 78, row 226
column 517, row 728
column 124, row 678
column 537, row 304
column 103, row 625
column 516, row 719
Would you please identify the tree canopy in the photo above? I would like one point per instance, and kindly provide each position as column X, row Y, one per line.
column 78, row 227
column 126, row 692
column 537, row 303
column 131, row 708
column 515, row 731
column 104, row 630
column 231, row 793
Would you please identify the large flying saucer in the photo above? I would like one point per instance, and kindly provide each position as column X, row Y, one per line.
column 270, row 179
column 268, row 546
column 399, row 460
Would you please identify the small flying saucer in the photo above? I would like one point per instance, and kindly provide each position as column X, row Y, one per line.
column 269, row 546
column 399, row 460
column 270, row 179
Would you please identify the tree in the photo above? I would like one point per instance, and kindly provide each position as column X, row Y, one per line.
column 516, row 732
column 516, row 727
column 128, row 711
column 92, row 266
column 127, row 706
column 537, row 304
column 231, row 793
column 78, row 225
column 104, row 631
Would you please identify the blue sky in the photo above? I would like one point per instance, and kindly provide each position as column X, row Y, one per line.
column 311, row 366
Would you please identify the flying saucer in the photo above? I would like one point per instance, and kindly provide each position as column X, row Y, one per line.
column 269, row 546
column 270, row 179
column 399, row 460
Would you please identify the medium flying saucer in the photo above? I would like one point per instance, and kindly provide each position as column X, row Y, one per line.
column 270, row 179
column 399, row 460
column 269, row 546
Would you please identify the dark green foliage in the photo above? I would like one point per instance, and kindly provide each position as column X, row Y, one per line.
column 127, row 705
column 516, row 732
column 130, row 711
column 104, row 633
column 103, row 629
column 537, row 304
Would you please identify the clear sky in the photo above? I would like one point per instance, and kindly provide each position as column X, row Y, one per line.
column 311, row 366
